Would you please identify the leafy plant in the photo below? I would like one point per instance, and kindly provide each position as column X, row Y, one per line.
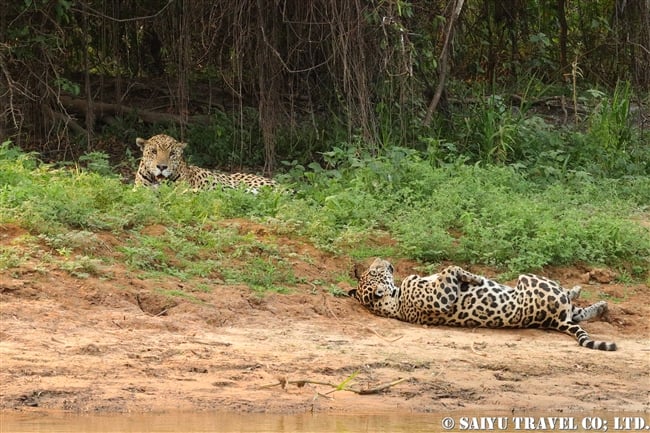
column 97, row 162
column 11, row 258
column 81, row 266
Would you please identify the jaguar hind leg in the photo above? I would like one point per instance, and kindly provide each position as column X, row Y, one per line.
column 574, row 293
column 594, row 310
column 584, row 340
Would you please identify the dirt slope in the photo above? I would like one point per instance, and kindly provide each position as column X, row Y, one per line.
column 113, row 345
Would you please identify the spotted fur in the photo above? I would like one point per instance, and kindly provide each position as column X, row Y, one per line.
column 162, row 160
column 456, row 297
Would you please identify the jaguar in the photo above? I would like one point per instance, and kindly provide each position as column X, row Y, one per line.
column 456, row 297
column 162, row 160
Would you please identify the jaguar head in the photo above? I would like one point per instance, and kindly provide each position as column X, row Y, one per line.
column 376, row 288
column 162, row 158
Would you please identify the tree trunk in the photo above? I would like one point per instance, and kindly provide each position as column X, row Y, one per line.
column 443, row 62
column 561, row 18
column 90, row 113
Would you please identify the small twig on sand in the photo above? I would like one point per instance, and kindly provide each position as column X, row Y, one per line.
column 328, row 308
column 162, row 313
column 300, row 383
column 209, row 343
column 477, row 352
column 381, row 336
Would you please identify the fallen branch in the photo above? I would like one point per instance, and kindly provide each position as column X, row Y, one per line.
column 558, row 102
column 66, row 120
column 103, row 109
column 380, row 387
column 300, row 383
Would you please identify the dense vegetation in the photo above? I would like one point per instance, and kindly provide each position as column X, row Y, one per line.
column 452, row 211
column 255, row 82
column 470, row 132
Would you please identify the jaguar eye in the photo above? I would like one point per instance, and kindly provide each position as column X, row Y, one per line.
column 154, row 151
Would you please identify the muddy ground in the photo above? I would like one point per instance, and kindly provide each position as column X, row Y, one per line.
column 118, row 345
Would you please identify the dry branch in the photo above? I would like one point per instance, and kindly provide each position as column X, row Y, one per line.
column 65, row 120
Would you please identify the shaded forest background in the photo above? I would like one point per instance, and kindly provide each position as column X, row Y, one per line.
column 256, row 82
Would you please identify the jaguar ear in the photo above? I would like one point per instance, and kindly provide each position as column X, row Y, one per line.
column 352, row 293
column 141, row 142
column 358, row 270
column 183, row 144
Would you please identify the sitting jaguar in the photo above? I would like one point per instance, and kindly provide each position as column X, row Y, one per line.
column 162, row 160
column 457, row 297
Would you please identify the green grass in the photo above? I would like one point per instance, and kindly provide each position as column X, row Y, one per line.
column 494, row 215
column 490, row 214
column 180, row 294
column 262, row 274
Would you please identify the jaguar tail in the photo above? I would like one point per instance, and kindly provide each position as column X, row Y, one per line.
column 585, row 341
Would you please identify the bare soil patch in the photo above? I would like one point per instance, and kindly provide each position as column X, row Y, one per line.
column 119, row 344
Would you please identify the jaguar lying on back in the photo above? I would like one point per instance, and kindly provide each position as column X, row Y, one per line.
column 459, row 298
column 162, row 160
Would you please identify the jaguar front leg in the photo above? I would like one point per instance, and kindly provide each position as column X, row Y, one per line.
column 446, row 288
